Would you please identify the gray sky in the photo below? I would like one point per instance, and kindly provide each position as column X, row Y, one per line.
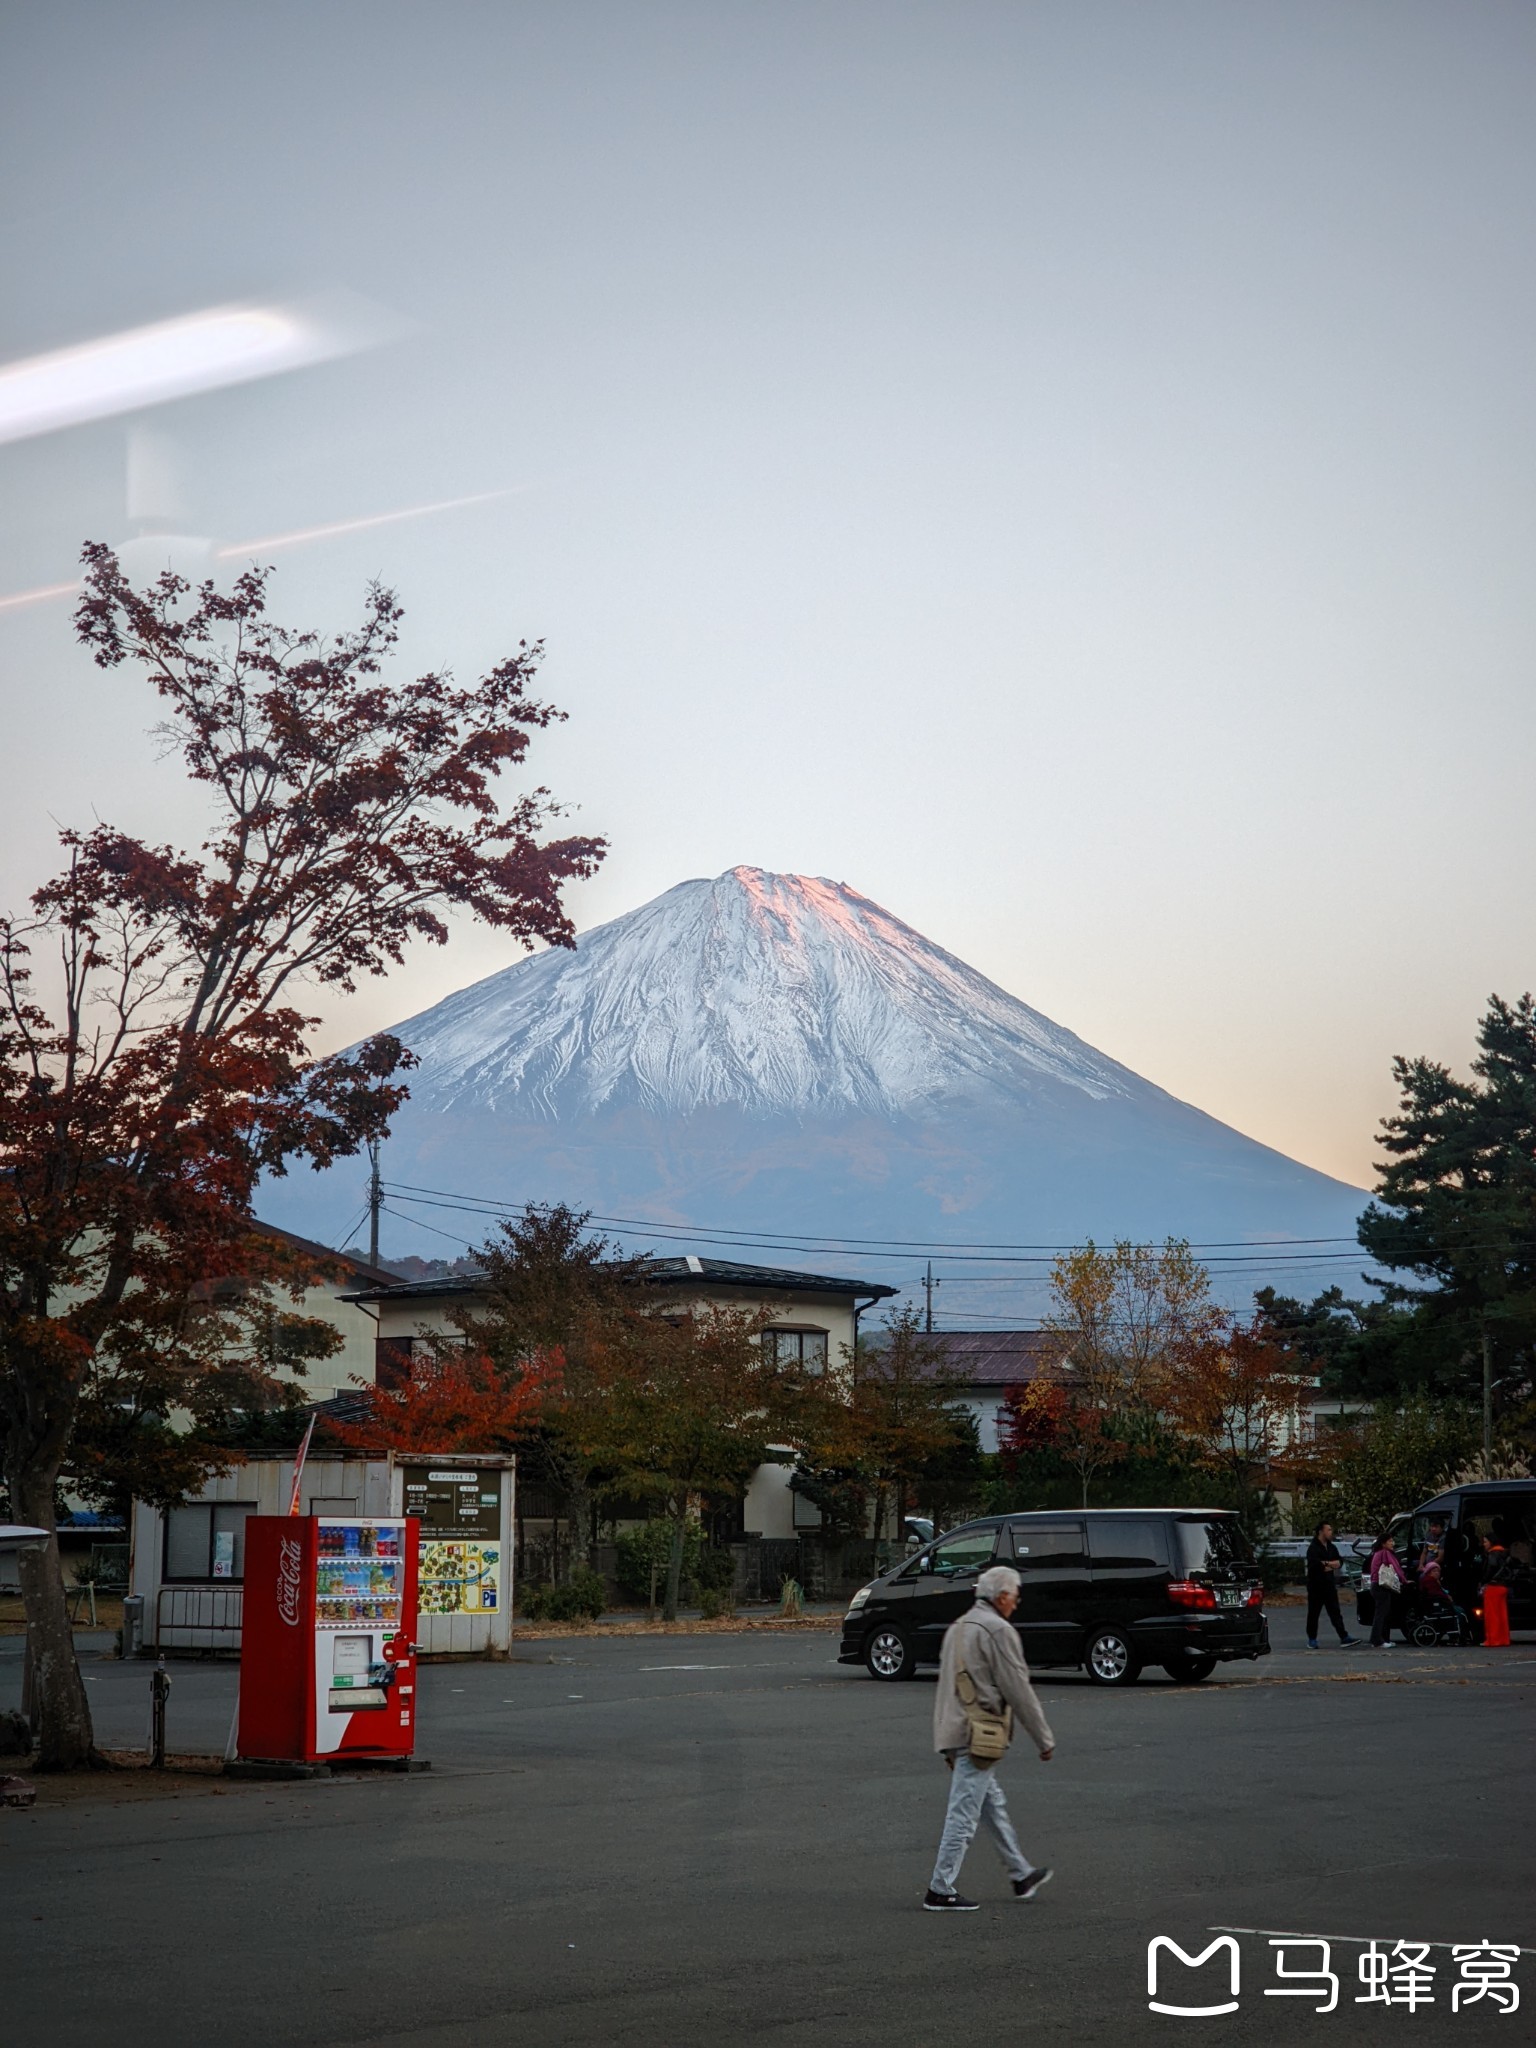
column 1064, row 469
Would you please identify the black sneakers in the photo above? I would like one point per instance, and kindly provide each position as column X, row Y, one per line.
column 948, row 1902
column 1026, row 1887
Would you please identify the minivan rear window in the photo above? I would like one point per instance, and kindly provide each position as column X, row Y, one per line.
column 1127, row 1543
column 1214, row 1546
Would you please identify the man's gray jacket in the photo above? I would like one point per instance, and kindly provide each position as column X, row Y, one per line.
column 989, row 1648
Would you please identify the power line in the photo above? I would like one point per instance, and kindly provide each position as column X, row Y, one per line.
column 1256, row 1258
column 466, row 1242
column 795, row 1240
column 360, row 1217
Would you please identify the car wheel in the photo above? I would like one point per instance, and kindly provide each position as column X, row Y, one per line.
column 888, row 1654
column 1190, row 1669
column 1111, row 1660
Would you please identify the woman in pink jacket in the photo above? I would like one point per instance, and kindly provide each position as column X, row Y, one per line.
column 1384, row 1559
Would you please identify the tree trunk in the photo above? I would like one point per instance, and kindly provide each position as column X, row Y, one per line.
column 66, row 1737
column 578, row 1512
column 675, row 1563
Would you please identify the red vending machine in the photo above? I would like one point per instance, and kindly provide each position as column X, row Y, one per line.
column 328, row 1650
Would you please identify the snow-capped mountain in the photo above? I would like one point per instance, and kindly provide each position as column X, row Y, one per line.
column 777, row 1054
column 782, row 995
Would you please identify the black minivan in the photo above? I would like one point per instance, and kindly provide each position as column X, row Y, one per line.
column 1110, row 1589
column 1490, row 1531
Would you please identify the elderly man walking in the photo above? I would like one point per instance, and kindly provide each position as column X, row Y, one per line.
column 983, row 1683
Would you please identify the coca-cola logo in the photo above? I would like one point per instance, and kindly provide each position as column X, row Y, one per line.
column 290, row 1561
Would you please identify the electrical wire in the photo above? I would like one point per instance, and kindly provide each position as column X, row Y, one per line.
column 794, row 1239
column 360, row 1218
column 1255, row 1259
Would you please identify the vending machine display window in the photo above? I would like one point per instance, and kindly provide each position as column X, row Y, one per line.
column 359, row 1573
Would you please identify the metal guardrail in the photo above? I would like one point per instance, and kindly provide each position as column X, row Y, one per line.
column 199, row 1617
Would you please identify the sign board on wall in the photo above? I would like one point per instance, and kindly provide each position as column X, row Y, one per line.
column 459, row 1509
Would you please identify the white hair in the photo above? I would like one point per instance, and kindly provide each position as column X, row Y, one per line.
column 997, row 1578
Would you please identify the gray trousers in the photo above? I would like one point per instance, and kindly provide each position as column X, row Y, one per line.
column 975, row 1796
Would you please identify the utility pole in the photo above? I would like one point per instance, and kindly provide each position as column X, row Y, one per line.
column 1487, row 1403
column 929, row 1284
column 375, row 1202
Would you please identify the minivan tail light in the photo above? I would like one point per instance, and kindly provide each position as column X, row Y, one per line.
column 1256, row 1597
column 1185, row 1593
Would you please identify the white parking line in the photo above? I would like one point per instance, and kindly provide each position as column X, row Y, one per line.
column 1358, row 1940
column 688, row 1667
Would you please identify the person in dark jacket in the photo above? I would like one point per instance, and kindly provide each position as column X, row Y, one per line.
column 1324, row 1565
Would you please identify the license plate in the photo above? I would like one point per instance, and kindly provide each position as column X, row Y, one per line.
column 1229, row 1596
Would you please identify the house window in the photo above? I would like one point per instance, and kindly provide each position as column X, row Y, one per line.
column 206, row 1541
column 806, row 1349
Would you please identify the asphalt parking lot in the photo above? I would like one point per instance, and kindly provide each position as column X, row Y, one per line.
column 717, row 1839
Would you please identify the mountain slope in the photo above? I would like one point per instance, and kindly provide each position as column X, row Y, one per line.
column 778, row 993
column 778, row 1053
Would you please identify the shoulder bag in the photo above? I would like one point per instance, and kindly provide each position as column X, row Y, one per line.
column 990, row 1733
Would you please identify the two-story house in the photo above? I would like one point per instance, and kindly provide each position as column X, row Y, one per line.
column 813, row 1319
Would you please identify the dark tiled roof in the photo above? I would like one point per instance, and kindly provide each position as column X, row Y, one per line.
column 998, row 1358
column 776, row 1279
column 666, row 1272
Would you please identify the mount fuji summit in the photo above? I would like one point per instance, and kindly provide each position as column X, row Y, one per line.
column 777, row 1054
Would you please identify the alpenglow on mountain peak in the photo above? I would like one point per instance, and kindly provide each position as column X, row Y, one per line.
column 773, row 994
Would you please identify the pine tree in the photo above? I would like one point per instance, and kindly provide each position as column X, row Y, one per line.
column 1455, row 1214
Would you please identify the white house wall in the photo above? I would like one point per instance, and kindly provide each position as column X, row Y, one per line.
column 358, row 1329
column 769, row 1507
column 986, row 1404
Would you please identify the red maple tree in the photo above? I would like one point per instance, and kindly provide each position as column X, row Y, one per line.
column 1049, row 1415
column 452, row 1399
column 154, row 1058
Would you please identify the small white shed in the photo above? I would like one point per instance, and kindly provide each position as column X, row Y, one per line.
column 188, row 1563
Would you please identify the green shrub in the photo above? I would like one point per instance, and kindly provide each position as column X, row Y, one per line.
column 707, row 1567
column 650, row 1545
column 713, row 1605
column 791, row 1597
column 584, row 1599
column 713, row 1570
